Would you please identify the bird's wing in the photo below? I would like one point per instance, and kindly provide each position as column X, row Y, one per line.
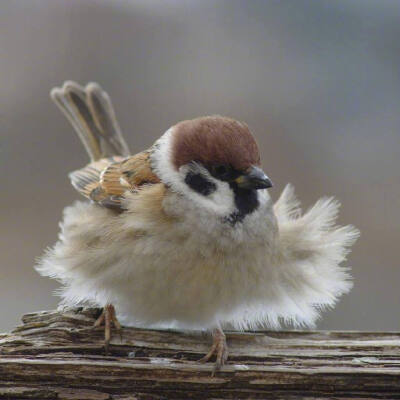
column 105, row 181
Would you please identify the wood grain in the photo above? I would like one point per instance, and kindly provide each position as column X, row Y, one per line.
column 56, row 355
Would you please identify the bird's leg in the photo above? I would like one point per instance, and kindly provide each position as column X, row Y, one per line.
column 219, row 348
column 108, row 317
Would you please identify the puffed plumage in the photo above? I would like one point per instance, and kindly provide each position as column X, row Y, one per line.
column 169, row 242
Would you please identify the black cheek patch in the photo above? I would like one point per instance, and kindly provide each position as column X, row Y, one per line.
column 200, row 184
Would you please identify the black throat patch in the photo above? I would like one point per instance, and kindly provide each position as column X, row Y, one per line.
column 246, row 201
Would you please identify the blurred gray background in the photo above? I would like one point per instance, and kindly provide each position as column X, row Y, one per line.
column 317, row 81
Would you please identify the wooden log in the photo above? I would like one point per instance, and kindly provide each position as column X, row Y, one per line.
column 56, row 355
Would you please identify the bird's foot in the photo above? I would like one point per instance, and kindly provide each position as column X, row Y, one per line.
column 219, row 348
column 107, row 318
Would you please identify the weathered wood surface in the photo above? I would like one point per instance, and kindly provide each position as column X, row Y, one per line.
column 55, row 355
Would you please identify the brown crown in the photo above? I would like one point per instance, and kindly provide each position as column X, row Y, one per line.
column 215, row 139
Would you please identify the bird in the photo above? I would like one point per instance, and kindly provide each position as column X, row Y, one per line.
column 186, row 235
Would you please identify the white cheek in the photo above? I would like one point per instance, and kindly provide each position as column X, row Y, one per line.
column 220, row 202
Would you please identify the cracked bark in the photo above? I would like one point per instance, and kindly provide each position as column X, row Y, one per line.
column 55, row 355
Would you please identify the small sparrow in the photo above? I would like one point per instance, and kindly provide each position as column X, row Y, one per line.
column 185, row 234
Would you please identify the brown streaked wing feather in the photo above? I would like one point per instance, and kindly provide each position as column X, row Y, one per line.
column 106, row 180
column 110, row 180
column 87, row 180
column 128, row 174
column 136, row 170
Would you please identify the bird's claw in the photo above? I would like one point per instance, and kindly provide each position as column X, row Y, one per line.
column 219, row 348
column 108, row 317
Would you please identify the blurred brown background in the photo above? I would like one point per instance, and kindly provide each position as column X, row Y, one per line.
column 317, row 81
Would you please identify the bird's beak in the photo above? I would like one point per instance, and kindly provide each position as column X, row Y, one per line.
column 254, row 178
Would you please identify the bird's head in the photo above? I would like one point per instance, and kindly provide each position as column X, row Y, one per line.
column 215, row 162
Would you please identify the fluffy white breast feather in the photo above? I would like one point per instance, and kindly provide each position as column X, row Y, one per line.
column 165, row 262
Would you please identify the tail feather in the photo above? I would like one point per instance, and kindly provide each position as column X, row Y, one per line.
column 90, row 112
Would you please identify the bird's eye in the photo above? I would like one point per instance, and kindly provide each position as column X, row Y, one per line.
column 221, row 171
